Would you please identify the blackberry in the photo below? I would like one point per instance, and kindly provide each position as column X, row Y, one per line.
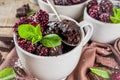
column 115, row 76
column 56, row 51
column 44, row 51
column 63, row 2
column 23, row 20
column 91, row 3
column 41, row 50
column 27, row 45
column 105, row 17
column 40, row 17
column 33, row 23
column 95, row 11
column 106, row 6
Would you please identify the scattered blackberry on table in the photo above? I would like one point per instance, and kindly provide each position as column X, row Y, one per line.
column 105, row 17
column 91, row 3
column 106, row 6
column 95, row 11
column 115, row 76
column 27, row 45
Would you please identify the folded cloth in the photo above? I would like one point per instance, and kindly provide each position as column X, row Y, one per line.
column 94, row 54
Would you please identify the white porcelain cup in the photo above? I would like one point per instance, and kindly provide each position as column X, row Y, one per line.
column 54, row 67
column 103, row 32
column 73, row 11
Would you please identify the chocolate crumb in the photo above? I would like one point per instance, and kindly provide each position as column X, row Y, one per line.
column 22, row 11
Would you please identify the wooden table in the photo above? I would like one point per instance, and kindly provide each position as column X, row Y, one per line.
column 8, row 12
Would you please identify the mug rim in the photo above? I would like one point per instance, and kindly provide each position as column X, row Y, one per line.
column 62, row 5
column 37, row 56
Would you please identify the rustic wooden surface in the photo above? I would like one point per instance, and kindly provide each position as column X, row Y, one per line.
column 8, row 12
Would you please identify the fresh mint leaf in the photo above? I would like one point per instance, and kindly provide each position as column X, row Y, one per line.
column 99, row 72
column 38, row 31
column 116, row 17
column 26, row 31
column 118, row 13
column 115, row 20
column 38, row 35
column 51, row 40
column 115, row 11
column 7, row 74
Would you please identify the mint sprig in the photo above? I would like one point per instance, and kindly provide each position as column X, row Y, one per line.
column 100, row 72
column 51, row 40
column 34, row 34
column 116, row 17
column 7, row 74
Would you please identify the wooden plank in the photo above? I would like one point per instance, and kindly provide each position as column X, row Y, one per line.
column 8, row 10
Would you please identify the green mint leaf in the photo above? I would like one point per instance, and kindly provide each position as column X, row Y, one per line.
column 115, row 11
column 38, row 31
column 99, row 72
column 38, row 35
column 51, row 40
column 114, row 19
column 118, row 13
column 7, row 74
column 26, row 31
column 35, row 39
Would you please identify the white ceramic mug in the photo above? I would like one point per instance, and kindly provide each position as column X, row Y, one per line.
column 73, row 11
column 54, row 67
column 103, row 32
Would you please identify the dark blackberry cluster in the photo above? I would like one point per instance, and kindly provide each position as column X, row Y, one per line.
column 95, row 11
column 92, row 3
column 40, row 17
column 101, row 11
column 105, row 17
column 68, row 2
column 27, row 45
column 106, row 6
column 41, row 50
column 44, row 51
column 23, row 20
column 115, row 76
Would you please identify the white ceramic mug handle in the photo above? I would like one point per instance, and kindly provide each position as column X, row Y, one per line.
column 89, row 31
